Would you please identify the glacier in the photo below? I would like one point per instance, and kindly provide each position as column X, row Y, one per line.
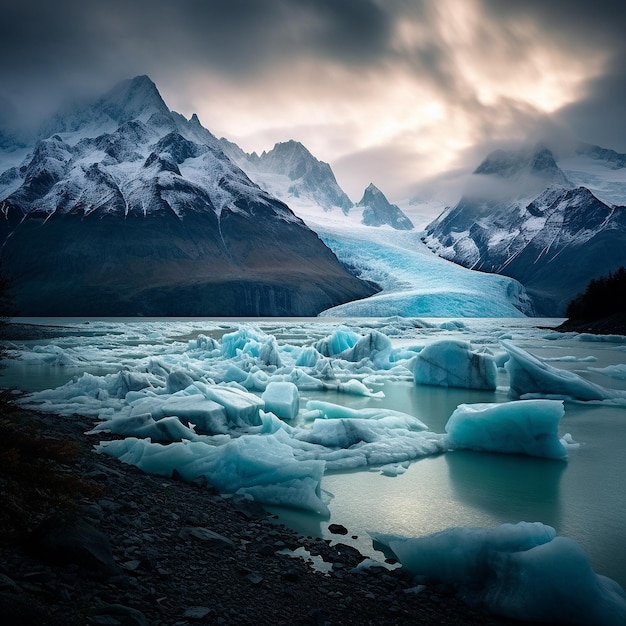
column 415, row 282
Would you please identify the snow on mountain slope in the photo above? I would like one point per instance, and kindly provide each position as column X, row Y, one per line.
column 554, row 240
column 291, row 172
column 602, row 171
column 130, row 209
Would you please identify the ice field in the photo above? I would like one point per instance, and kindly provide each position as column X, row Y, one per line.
column 396, row 426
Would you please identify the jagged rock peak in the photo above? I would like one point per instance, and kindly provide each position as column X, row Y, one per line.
column 135, row 98
column 370, row 190
column 377, row 210
column 132, row 99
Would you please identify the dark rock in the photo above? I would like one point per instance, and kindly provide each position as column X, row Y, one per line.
column 197, row 613
column 337, row 529
column 123, row 614
column 67, row 539
column 206, row 535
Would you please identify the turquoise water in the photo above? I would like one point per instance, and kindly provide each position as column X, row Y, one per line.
column 584, row 498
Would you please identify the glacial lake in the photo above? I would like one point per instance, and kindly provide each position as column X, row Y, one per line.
column 583, row 498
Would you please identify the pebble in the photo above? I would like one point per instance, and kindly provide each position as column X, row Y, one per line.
column 195, row 556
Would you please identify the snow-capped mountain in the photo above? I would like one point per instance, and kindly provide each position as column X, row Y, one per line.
column 377, row 210
column 525, row 217
column 126, row 208
column 292, row 173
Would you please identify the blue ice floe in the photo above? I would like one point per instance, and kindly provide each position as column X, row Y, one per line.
column 521, row 571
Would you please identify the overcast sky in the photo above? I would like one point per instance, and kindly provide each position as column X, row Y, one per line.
column 387, row 91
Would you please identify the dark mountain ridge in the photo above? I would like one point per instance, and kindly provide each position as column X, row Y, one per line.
column 129, row 209
column 554, row 241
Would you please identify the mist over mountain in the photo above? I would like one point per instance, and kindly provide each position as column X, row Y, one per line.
column 525, row 215
column 123, row 207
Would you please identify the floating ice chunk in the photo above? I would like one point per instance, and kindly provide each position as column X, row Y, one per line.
column 260, row 466
column 242, row 408
column 328, row 410
column 268, row 353
column 568, row 442
column 55, row 355
column 453, row 325
column 571, row 359
column 89, row 394
column 347, row 432
column 177, row 380
column 453, row 363
column 357, row 388
column 522, row 427
column 339, row 341
column 308, row 357
column 613, row 371
column 529, row 376
column 520, row 571
column 202, row 342
column 208, row 416
column 601, row 338
column 246, row 338
column 144, row 425
column 282, row 399
column 374, row 346
column 347, row 444
column 394, row 469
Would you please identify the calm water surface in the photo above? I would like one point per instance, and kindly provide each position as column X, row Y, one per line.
column 584, row 498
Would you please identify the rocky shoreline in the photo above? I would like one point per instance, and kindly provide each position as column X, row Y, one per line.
column 146, row 550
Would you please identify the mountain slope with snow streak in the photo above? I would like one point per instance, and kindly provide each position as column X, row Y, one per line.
column 127, row 208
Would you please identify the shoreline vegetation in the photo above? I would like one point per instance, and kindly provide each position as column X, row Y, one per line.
column 601, row 309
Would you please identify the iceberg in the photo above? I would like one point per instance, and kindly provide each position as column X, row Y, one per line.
column 242, row 408
column 530, row 377
column 521, row 571
column 522, row 427
column 453, row 363
column 282, row 399
column 260, row 466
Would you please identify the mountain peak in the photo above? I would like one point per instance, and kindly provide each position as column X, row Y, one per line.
column 372, row 188
column 134, row 98
column 537, row 161
column 377, row 210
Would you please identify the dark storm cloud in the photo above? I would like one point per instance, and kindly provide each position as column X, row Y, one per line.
column 599, row 115
column 91, row 43
column 389, row 80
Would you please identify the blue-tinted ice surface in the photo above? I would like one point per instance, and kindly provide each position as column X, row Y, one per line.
column 532, row 377
column 417, row 283
column 523, row 427
column 453, row 363
column 240, row 404
column 522, row 571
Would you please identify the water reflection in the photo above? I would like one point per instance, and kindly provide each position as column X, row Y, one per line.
column 509, row 488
